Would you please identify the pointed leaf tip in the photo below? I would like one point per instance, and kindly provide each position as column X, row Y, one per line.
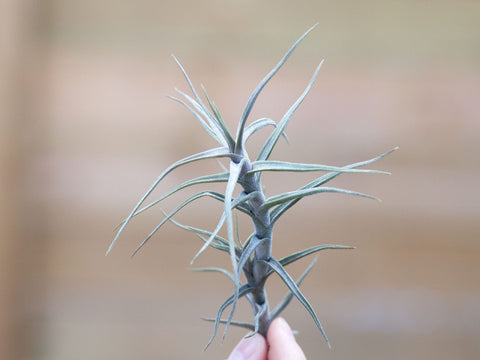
column 277, row 267
column 259, row 88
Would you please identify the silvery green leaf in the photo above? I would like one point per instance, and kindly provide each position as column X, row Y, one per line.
column 209, row 117
column 286, row 278
column 257, row 125
column 202, row 122
column 200, row 106
column 298, row 194
column 236, row 204
column 272, row 140
column 199, row 195
column 213, row 269
column 217, row 245
column 228, row 136
column 258, row 89
column 222, row 167
column 235, row 170
column 195, row 230
column 237, row 231
column 210, row 239
column 222, row 177
column 187, row 78
column 241, row 324
column 272, row 165
column 286, row 300
column 214, row 108
column 298, row 255
column 281, row 209
column 248, row 251
column 243, row 290
column 245, row 244
column 212, row 153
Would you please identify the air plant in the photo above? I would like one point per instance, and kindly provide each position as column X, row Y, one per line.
column 253, row 256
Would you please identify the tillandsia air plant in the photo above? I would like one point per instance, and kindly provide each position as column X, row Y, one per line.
column 253, row 256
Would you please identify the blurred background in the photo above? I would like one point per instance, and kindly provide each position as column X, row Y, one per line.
column 86, row 127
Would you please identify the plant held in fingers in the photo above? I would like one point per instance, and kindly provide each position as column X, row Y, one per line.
column 253, row 256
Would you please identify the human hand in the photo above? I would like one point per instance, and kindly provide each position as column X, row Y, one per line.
column 279, row 345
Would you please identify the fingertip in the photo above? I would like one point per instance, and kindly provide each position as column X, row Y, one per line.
column 280, row 327
column 251, row 348
column 282, row 343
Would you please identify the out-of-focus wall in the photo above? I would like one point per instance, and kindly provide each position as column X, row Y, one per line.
column 86, row 128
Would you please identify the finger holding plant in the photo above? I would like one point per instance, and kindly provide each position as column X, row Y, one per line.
column 252, row 257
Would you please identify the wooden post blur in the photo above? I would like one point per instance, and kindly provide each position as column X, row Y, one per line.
column 9, row 227
column 17, row 262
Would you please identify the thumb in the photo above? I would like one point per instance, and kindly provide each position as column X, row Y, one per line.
column 283, row 345
column 252, row 348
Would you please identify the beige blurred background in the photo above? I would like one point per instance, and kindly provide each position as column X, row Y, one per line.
column 86, row 128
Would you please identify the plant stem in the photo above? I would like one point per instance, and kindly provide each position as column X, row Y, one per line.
column 263, row 233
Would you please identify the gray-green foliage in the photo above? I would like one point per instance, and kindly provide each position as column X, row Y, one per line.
column 253, row 257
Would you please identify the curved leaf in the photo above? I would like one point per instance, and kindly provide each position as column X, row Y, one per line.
column 235, row 204
column 200, row 106
column 286, row 278
column 235, row 170
column 221, row 123
column 237, row 231
column 286, row 300
column 241, row 324
column 258, row 89
column 202, row 122
column 298, row 255
column 257, row 125
column 212, row 153
column 244, row 289
column 281, row 209
column 214, row 125
column 272, row 140
column 201, row 194
column 222, row 177
column 273, row 165
column 248, row 251
column 298, row 194
column 220, row 244
column 218, row 239
column 217, row 245
column 213, row 269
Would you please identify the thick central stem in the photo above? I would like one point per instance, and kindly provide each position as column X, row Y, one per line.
column 263, row 231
